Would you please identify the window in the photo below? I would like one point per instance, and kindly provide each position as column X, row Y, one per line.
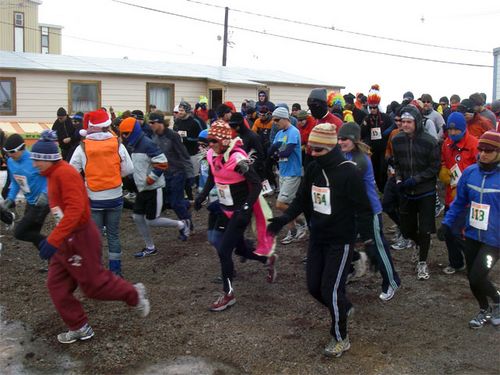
column 161, row 95
column 19, row 32
column 84, row 96
column 7, row 96
column 45, row 39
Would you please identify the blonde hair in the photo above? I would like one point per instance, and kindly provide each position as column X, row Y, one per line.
column 363, row 147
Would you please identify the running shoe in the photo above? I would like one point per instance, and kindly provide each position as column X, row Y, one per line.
column 185, row 231
column 480, row 319
column 439, row 209
column 289, row 238
column 272, row 273
column 336, row 348
column 143, row 307
column 387, row 296
column 495, row 314
column 301, row 232
column 402, row 244
column 223, row 302
column 422, row 271
column 146, row 253
column 82, row 334
column 449, row 270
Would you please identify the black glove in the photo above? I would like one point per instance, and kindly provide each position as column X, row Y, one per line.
column 244, row 216
column 276, row 223
column 443, row 232
column 198, row 202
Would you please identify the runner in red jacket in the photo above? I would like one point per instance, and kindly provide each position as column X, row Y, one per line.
column 74, row 247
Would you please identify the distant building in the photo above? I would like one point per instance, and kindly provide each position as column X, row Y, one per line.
column 33, row 86
column 20, row 30
column 496, row 73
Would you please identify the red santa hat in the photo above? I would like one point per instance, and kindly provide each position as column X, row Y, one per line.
column 95, row 121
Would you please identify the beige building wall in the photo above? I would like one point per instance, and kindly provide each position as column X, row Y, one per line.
column 31, row 33
column 55, row 42
column 40, row 94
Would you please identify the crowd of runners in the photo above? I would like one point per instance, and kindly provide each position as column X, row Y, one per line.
column 330, row 170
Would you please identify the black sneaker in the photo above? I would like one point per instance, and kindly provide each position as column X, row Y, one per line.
column 146, row 253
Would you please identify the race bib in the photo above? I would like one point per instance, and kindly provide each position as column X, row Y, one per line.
column 479, row 215
column 321, row 200
column 22, row 181
column 376, row 133
column 182, row 133
column 57, row 213
column 456, row 173
column 266, row 187
column 224, row 194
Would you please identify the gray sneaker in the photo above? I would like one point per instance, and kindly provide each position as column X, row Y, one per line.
column 495, row 314
column 336, row 348
column 422, row 271
column 142, row 306
column 482, row 317
column 82, row 334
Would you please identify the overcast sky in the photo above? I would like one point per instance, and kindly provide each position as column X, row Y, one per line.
column 109, row 29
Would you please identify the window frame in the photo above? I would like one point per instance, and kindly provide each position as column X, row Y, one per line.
column 79, row 81
column 170, row 86
column 14, row 97
column 14, row 36
column 44, row 32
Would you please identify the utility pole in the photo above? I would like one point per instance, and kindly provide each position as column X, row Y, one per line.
column 224, row 47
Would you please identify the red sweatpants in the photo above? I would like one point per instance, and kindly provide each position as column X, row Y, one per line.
column 77, row 262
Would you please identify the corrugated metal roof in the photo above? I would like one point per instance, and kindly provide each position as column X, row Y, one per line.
column 245, row 76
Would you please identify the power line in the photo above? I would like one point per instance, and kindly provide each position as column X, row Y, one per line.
column 332, row 28
column 101, row 41
column 304, row 40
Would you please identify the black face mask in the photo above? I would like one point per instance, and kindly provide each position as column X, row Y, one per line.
column 318, row 109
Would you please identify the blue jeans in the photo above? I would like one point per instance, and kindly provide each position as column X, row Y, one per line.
column 110, row 218
column 174, row 190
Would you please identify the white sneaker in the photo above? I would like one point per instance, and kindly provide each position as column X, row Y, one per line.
column 422, row 271
column 402, row 244
column 386, row 296
column 289, row 238
column 142, row 306
column 301, row 232
column 336, row 348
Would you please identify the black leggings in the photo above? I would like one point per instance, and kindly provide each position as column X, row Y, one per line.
column 234, row 238
column 481, row 259
column 28, row 229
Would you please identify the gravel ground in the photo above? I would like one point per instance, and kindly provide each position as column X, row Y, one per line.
column 272, row 329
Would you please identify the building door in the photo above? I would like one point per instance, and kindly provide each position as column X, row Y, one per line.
column 215, row 98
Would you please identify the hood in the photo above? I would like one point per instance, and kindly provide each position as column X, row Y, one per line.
column 412, row 110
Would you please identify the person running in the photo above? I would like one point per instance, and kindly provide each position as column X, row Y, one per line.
column 74, row 247
column 27, row 179
column 459, row 151
column 149, row 165
column 478, row 194
column 104, row 161
column 416, row 162
column 286, row 151
column 238, row 189
column 333, row 198
column 353, row 149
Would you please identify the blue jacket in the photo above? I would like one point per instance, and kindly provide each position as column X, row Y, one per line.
column 25, row 177
column 479, row 186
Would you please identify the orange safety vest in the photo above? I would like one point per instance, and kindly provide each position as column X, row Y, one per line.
column 102, row 170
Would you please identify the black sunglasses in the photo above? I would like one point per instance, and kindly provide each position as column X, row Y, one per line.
column 213, row 141
column 371, row 107
column 426, row 101
column 318, row 149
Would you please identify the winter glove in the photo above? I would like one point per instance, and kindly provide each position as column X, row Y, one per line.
column 244, row 216
column 198, row 202
column 149, row 180
column 7, row 204
column 276, row 224
column 443, row 232
column 46, row 250
column 445, row 175
column 409, row 182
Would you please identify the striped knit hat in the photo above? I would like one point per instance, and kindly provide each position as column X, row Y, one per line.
column 221, row 132
column 323, row 135
column 489, row 141
column 46, row 147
